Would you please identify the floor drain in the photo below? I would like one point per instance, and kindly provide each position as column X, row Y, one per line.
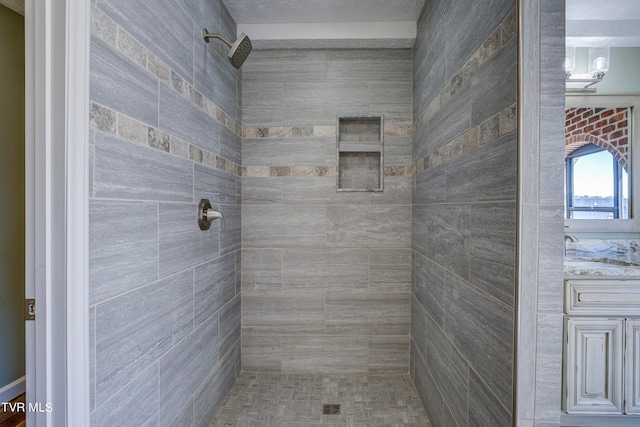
column 330, row 409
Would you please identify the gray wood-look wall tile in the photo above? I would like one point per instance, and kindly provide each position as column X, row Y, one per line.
column 470, row 23
column 126, row 170
column 484, row 174
column 429, row 394
column 123, row 250
column 450, row 121
column 261, row 352
column 391, row 100
column 492, row 249
column 367, row 313
column 121, row 85
column 283, row 226
column 161, row 26
column 135, row 329
column 419, row 229
column 282, row 65
column 325, row 269
column 476, row 322
column 215, row 77
column 397, row 191
column 388, row 354
column 184, row 417
column 92, row 358
column 552, row 42
column 283, row 313
column 451, row 373
column 214, row 287
column 217, row 186
column 325, row 354
column 369, row 226
column 229, row 326
column 551, row 153
column 430, row 186
column 549, row 366
column 209, row 397
column 390, row 270
column 181, row 118
column 231, row 236
column 183, row 368
column 261, row 270
column 398, row 150
column 428, row 81
column 261, row 103
column 419, row 328
column 551, row 265
column 317, row 104
column 448, row 233
column 230, row 145
column 204, row 13
column 527, row 308
column 318, row 191
column 495, row 86
column 289, row 151
column 135, row 404
column 182, row 243
column 262, row 191
column 428, row 286
column 485, row 410
column 449, row 419
column 369, row 65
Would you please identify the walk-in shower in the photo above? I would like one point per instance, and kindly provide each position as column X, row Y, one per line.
column 239, row 50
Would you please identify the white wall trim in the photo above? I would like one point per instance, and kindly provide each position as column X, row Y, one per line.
column 13, row 390
column 56, row 83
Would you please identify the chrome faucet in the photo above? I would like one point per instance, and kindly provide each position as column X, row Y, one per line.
column 568, row 238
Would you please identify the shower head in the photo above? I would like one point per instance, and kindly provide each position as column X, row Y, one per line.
column 239, row 50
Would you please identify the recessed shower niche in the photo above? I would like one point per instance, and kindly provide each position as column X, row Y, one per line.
column 360, row 142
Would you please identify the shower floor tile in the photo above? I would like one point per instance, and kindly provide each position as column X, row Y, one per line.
column 295, row 400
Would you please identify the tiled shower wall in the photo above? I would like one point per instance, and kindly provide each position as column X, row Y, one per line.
column 464, row 211
column 326, row 275
column 165, row 132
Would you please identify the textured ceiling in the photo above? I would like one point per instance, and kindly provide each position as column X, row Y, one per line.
column 304, row 11
column 15, row 5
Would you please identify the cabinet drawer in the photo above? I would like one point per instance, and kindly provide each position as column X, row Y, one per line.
column 602, row 297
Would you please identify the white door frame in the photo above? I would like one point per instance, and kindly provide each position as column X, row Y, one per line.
column 56, row 85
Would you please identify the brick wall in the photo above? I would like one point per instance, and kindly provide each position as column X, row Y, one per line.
column 604, row 127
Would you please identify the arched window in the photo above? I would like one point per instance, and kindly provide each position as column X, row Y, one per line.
column 596, row 185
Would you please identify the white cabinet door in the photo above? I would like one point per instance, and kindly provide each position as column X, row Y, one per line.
column 632, row 372
column 595, row 352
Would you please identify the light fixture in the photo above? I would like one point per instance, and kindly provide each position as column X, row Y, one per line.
column 598, row 66
column 569, row 60
column 598, row 61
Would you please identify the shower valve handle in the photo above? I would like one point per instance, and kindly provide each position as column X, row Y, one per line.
column 206, row 215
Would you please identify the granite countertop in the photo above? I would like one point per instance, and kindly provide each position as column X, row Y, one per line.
column 619, row 257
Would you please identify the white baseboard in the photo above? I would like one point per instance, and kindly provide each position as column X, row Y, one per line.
column 12, row 390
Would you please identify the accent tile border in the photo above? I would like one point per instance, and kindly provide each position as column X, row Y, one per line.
column 282, row 132
column 315, row 171
column 113, row 122
column 500, row 124
column 118, row 38
column 489, row 48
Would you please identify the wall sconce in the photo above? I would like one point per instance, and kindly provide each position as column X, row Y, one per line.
column 598, row 62
column 569, row 60
column 598, row 66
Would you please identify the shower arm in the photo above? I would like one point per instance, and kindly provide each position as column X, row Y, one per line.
column 206, row 35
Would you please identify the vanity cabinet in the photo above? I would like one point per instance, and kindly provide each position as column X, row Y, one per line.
column 602, row 347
